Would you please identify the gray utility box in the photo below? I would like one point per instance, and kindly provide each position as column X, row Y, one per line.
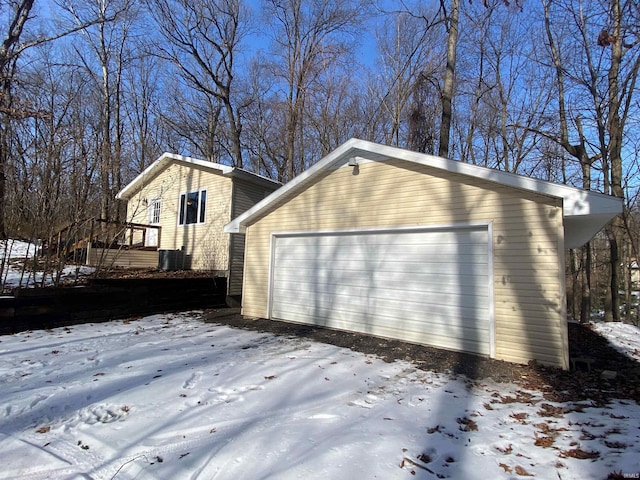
column 170, row 260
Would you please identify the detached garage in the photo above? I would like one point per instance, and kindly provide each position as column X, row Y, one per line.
column 393, row 243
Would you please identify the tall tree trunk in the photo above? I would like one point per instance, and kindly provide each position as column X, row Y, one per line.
column 615, row 126
column 449, row 76
column 578, row 151
column 585, row 304
column 105, row 162
column 235, row 128
column 9, row 51
column 4, row 151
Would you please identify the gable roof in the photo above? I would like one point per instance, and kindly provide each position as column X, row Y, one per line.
column 167, row 159
column 585, row 212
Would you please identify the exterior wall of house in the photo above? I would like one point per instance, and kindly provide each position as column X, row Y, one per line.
column 206, row 246
column 245, row 196
column 526, row 240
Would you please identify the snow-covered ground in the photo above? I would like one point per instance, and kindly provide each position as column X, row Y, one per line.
column 625, row 338
column 14, row 275
column 172, row 397
column 17, row 249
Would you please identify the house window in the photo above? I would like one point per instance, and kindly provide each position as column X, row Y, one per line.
column 154, row 211
column 192, row 207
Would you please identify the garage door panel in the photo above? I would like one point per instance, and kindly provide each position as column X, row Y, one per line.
column 438, row 335
column 400, row 297
column 349, row 250
column 387, row 240
column 424, row 286
column 412, row 320
column 390, row 253
column 340, row 272
column 402, row 285
column 429, row 307
column 469, row 275
column 470, row 279
column 334, row 296
column 397, row 237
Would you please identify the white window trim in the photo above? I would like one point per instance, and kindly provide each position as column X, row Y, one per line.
column 151, row 210
column 198, row 214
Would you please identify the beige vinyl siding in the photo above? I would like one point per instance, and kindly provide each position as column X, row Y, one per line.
column 527, row 234
column 206, row 245
column 245, row 196
column 122, row 258
column 236, row 266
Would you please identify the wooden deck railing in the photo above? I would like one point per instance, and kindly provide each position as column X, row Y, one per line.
column 73, row 241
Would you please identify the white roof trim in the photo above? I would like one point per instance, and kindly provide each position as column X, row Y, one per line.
column 165, row 159
column 588, row 211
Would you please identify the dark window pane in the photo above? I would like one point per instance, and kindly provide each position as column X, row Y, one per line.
column 192, row 208
column 203, row 204
column 182, row 208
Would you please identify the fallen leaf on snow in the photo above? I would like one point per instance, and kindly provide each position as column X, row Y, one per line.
column 545, row 442
column 548, row 410
column 615, row 445
column 506, row 450
column 467, row 425
column 522, row 472
column 579, row 454
column 519, row 416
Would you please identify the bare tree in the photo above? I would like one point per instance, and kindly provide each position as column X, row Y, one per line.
column 330, row 112
column 452, row 19
column 202, row 38
column 108, row 44
column 408, row 71
column 308, row 36
column 12, row 47
column 621, row 81
column 10, row 50
column 598, row 119
column 507, row 99
column 142, row 99
column 422, row 116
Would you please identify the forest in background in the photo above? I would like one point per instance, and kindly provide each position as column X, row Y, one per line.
column 93, row 91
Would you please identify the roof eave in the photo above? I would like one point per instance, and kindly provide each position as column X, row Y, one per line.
column 137, row 183
column 580, row 230
column 252, row 177
column 240, row 223
column 586, row 209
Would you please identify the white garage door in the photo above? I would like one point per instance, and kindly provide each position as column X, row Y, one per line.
column 424, row 286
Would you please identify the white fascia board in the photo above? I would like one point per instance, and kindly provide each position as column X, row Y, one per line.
column 159, row 164
column 576, row 201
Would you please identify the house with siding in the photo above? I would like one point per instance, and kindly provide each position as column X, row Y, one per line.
column 191, row 200
column 399, row 244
